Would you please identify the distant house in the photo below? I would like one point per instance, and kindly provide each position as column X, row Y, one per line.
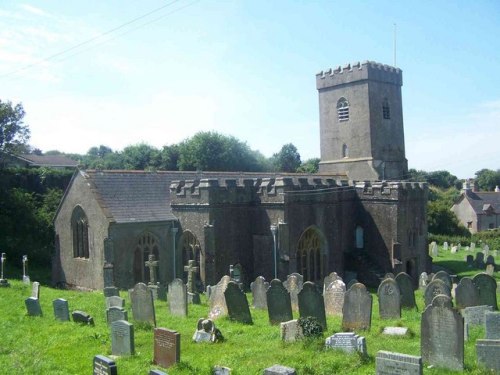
column 478, row 211
column 36, row 161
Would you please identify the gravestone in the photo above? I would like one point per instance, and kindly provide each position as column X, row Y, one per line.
column 423, row 280
column 395, row 331
column 442, row 335
column 330, row 279
column 487, row 289
column 3, row 282
column 279, row 370
column 486, row 248
column 115, row 301
column 445, row 246
column 351, row 283
column 82, row 317
column 61, row 309
column 207, row 332
column 279, row 307
column 293, row 284
column 391, row 363
column 110, row 291
column 467, row 248
column 162, row 292
column 348, row 342
column 434, row 249
column 291, row 331
column 444, row 277
column 35, row 290
column 157, row 372
column 475, row 315
column 466, row 293
column 115, row 313
column 490, row 269
column 221, row 370
column 357, row 311
column 26, row 278
column 389, row 299
column 488, row 354
column 167, row 347
column 192, row 270
column 435, row 288
column 454, row 250
column 469, row 259
column 492, row 325
column 104, row 366
column 334, row 298
column 479, row 261
column 237, row 304
column 177, row 298
column 405, row 284
column 141, row 299
column 259, row 288
column 472, row 246
column 122, row 338
column 217, row 300
column 490, row 259
column 389, row 275
column 33, row 306
column 311, row 303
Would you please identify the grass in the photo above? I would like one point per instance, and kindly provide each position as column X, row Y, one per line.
column 42, row 345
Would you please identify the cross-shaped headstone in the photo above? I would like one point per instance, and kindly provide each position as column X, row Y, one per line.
column 152, row 264
column 191, row 269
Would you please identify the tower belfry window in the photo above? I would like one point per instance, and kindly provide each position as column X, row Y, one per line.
column 343, row 109
column 386, row 110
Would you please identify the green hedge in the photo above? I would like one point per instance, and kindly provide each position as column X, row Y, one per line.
column 490, row 237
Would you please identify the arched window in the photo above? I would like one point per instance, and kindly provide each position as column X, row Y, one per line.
column 360, row 237
column 345, row 151
column 386, row 109
column 147, row 244
column 80, row 231
column 309, row 255
column 343, row 109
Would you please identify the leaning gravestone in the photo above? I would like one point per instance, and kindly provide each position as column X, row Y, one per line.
column 33, row 306
column 435, row 288
column 492, row 325
column 474, row 315
column 334, row 298
column 389, row 299
column 122, row 338
column 488, row 354
column 167, row 347
column 143, row 309
column 293, row 284
column 405, row 284
column 237, row 304
column 487, row 289
column 259, row 288
column 390, row 363
column 115, row 301
column 348, row 342
column 357, row 311
column 61, row 309
column 115, row 313
column 291, row 331
column 466, row 293
column 217, row 300
column 311, row 303
column 82, row 317
column 444, row 277
column 35, row 290
column 279, row 306
column 442, row 335
column 177, row 298
column 104, row 366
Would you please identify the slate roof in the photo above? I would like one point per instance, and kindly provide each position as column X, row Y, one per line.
column 48, row 160
column 481, row 200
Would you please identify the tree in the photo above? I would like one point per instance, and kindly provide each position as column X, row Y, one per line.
column 14, row 134
column 141, row 156
column 169, row 157
column 487, row 179
column 309, row 166
column 288, row 159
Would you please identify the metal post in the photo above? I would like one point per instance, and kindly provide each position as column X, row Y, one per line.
column 274, row 229
column 174, row 235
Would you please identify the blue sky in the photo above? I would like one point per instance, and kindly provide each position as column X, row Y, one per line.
column 247, row 69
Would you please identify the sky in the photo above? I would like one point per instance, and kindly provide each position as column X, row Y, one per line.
column 118, row 73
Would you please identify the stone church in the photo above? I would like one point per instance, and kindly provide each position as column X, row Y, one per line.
column 357, row 217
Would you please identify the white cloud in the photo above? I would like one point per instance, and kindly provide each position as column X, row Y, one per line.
column 31, row 9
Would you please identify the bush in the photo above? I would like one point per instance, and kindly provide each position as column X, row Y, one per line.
column 310, row 327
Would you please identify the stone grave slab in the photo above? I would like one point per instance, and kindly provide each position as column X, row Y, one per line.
column 177, row 298
column 466, row 293
column 492, row 325
column 61, row 309
column 348, row 342
column 434, row 288
column 237, row 304
column 110, row 291
column 279, row 307
column 357, row 312
column 487, row 289
column 311, row 303
column 115, row 301
column 122, row 338
column 291, row 331
column 142, row 304
column 217, row 300
column 115, row 313
column 167, row 347
column 405, row 284
column 293, row 284
column 279, row 370
column 259, row 288
column 389, row 299
column 104, row 366
column 391, row 363
column 488, row 354
column 333, row 296
column 33, row 307
column 474, row 315
column 395, row 331
column 82, row 317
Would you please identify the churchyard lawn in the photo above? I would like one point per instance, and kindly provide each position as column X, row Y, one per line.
column 42, row 345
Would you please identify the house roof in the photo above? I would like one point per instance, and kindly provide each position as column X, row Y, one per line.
column 483, row 201
column 47, row 160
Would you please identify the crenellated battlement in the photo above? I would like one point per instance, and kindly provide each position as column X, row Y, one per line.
column 394, row 190
column 367, row 70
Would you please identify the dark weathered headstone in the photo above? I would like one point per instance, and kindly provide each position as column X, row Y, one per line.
column 479, row 261
column 104, row 366
column 294, row 284
column 82, row 317
column 389, row 299
column 487, row 290
column 488, row 354
column 167, row 347
column 279, row 370
column 291, row 331
column 237, row 304
column 217, row 300
column 35, row 290
column 111, row 291
column 33, row 306
column 279, row 306
column 311, row 303
column 490, row 260
column 115, row 301
column 348, row 342
column 143, row 309
column 116, row 313
column 259, row 288
column 177, row 298
column 466, row 293
column 61, row 309
column 122, row 338
column 434, row 288
column 405, row 284
column 162, row 292
column 469, row 259
column 390, row 363
column 334, row 298
column 357, row 312
column 474, row 315
column 492, row 325
column 442, row 335
column 444, row 277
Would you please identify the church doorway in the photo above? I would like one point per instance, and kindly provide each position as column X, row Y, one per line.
column 310, row 254
column 191, row 250
column 147, row 244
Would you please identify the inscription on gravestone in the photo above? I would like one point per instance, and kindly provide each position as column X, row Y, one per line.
column 334, row 297
column 435, row 287
column 357, row 312
column 487, row 289
column 405, row 284
column 116, row 313
column 279, row 307
column 474, row 315
column 259, row 288
column 167, row 347
column 390, row 363
column 347, row 341
column 217, row 300
column 104, row 366
column 294, row 284
column 389, row 299
column 122, row 338
column 466, row 293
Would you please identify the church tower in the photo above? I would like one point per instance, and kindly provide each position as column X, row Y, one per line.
column 361, row 122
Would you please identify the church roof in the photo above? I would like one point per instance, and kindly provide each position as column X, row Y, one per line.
column 48, row 160
column 482, row 202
